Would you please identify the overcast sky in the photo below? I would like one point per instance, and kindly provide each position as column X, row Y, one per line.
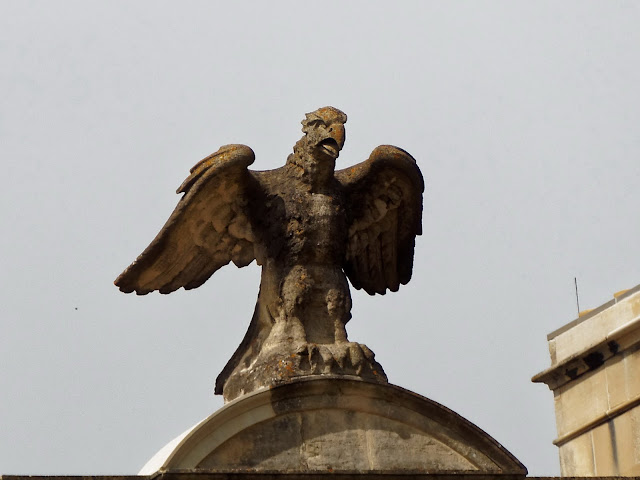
column 522, row 116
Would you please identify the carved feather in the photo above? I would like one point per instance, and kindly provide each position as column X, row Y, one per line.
column 208, row 228
column 384, row 199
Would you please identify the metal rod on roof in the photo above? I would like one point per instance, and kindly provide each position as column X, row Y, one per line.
column 575, row 280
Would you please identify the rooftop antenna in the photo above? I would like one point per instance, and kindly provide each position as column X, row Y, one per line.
column 575, row 281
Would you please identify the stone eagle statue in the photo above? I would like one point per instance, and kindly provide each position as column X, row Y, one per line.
column 310, row 228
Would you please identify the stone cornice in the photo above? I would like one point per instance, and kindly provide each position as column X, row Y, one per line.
column 592, row 357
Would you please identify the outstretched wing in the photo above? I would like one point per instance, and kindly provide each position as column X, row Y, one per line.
column 208, row 228
column 383, row 196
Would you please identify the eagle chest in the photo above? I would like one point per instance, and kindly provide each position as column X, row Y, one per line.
column 316, row 227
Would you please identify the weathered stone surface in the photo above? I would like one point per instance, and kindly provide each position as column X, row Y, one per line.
column 336, row 424
column 310, row 228
column 577, row 403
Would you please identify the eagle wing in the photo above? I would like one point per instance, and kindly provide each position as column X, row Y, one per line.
column 208, row 228
column 383, row 196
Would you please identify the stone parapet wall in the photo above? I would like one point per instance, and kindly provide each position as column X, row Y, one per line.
column 248, row 475
column 302, row 476
column 594, row 325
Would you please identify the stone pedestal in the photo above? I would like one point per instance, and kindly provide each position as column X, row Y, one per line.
column 334, row 425
column 595, row 379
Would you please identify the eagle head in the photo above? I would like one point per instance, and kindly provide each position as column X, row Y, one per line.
column 324, row 131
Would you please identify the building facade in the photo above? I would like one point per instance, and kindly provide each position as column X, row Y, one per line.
column 595, row 379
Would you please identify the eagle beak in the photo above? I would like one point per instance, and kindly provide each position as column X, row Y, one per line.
column 330, row 147
column 337, row 132
column 334, row 142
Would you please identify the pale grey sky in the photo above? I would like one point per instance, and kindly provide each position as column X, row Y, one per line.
column 523, row 117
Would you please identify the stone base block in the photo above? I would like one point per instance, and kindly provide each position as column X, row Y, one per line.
column 336, row 424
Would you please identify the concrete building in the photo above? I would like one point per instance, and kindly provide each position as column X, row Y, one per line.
column 595, row 379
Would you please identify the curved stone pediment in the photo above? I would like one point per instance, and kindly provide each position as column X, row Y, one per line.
column 336, row 424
